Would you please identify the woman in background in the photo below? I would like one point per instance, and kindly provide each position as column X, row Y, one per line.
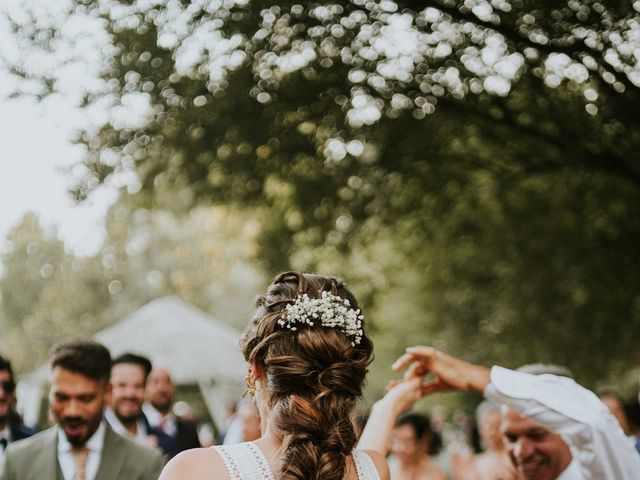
column 409, row 448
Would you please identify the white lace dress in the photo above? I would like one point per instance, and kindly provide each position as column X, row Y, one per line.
column 245, row 461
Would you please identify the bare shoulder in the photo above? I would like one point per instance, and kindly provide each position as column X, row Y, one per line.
column 195, row 464
column 380, row 462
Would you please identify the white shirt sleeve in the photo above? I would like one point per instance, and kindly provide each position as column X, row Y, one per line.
column 597, row 442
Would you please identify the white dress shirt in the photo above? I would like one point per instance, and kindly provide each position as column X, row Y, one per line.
column 572, row 472
column 167, row 423
column 116, row 425
column 65, row 456
column 600, row 449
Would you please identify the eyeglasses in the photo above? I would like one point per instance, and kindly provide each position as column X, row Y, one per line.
column 8, row 385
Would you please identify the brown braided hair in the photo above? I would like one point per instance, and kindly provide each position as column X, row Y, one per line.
column 313, row 378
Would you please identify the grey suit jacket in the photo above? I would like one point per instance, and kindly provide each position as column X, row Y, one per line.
column 36, row 458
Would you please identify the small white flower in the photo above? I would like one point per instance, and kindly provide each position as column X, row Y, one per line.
column 331, row 310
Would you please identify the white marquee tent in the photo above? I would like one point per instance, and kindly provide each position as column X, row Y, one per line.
column 194, row 346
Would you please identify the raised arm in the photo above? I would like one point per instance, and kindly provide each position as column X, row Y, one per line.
column 557, row 403
column 451, row 373
column 384, row 413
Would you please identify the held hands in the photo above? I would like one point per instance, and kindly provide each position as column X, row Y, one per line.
column 451, row 374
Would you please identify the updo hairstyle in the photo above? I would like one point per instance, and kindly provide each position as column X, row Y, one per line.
column 313, row 378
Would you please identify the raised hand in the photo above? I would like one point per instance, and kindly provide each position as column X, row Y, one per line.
column 401, row 396
column 451, row 373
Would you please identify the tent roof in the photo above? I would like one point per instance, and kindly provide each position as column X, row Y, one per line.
column 191, row 344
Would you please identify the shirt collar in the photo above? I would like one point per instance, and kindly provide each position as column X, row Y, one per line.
column 6, row 433
column 94, row 444
column 119, row 428
column 156, row 418
column 572, row 472
column 153, row 415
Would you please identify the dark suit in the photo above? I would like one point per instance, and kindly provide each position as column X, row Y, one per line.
column 175, row 434
column 20, row 431
column 186, row 436
column 165, row 442
column 36, row 458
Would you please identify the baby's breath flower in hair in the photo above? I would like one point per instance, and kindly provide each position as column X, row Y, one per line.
column 328, row 311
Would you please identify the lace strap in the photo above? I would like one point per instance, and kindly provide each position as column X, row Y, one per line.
column 244, row 461
column 260, row 462
column 364, row 466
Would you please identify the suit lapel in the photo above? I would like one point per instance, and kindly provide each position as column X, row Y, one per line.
column 47, row 460
column 112, row 458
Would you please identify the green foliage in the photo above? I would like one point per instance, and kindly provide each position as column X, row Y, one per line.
column 470, row 167
column 204, row 258
column 32, row 257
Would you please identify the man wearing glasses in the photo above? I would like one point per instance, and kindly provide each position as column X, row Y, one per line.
column 11, row 427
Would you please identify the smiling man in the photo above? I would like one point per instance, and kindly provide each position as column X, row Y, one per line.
column 536, row 452
column 80, row 446
column 124, row 414
column 553, row 427
column 158, row 410
column 11, row 427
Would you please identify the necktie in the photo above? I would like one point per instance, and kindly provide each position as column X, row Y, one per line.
column 80, row 456
column 3, row 444
column 162, row 426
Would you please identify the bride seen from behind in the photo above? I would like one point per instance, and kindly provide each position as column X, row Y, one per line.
column 308, row 356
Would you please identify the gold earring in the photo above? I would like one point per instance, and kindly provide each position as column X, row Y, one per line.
column 251, row 387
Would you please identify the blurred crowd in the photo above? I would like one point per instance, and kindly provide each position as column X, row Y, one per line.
column 134, row 401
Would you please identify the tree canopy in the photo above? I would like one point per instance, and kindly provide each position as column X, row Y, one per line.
column 472, row 164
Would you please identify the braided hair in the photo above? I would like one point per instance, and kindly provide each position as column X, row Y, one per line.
column 313, row 378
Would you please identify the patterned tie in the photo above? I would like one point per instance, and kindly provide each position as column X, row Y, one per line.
column 80, row 456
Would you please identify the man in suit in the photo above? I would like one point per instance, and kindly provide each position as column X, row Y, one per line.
column 124, row 414
column 159, row 395
column 11, row 426
column 80, row 446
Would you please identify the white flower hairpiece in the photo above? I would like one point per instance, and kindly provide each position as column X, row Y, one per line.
column 330, row 310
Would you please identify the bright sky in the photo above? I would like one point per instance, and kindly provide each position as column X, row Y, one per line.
column 35, row 153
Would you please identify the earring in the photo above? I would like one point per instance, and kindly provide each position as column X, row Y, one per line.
column 251, row 387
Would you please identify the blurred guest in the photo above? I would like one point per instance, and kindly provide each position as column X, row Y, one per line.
column 633, row 414
column 245, row 426
column 159, row 395
column 493, row 463
column 81, row 446
column 207, row 435
column 553, row 428
column 124, row 414
column 614, row 403
column 230, row 411
column 250, row 417
column 616, row 406
column 409, row 448
column 11, row 426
